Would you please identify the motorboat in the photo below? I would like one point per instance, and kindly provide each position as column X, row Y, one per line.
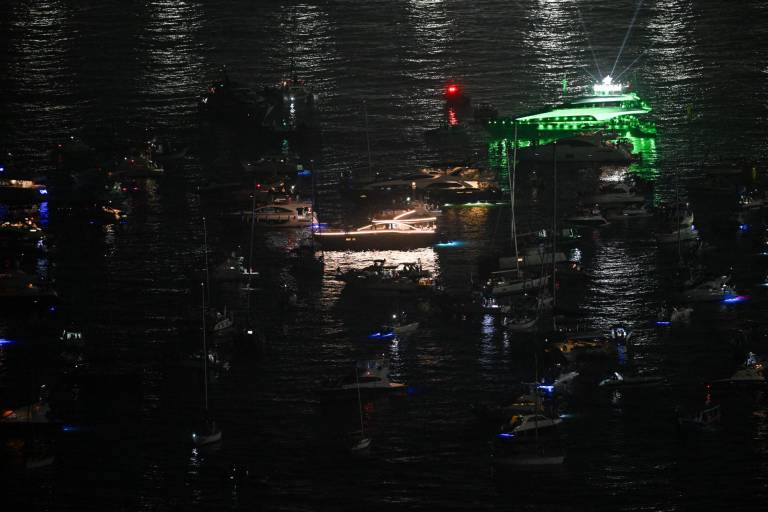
column 619, row 381
column 165, row 152
column 281, row 213
column 712, row 290
column 378, row 277
column 678, row 234
column 589, row 148
column 399, row 326
column 703, row 419
column 72, row 338
column 585, row 216
column 616, row 194
column 751, row 373
column 370, row 376
column 511, row 282
column 586, row 347
column 38, row 412
column 16, row 284
column 522, row 321
column 752, row 200
column 466, row 181
column 209, row 434
column 630, row 212
column 139, row 166
column 448, row 136
column 22, row 191
column 528, row 425
column 231, row 269
column 407, row 230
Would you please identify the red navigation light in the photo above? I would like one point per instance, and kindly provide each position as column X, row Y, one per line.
column 453, row 89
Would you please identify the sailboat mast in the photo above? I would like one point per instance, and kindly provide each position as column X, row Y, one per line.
column 205, row 257
column 554, row 222
column 359, row 404
column 367, row 139
column 205, row 355
column 512, row 176
column 253, row 225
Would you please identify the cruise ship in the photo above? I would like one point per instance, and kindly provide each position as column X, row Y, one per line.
column 611, row 107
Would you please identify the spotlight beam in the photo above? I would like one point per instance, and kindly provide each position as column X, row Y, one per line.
column 626, row 36
column 589, row 43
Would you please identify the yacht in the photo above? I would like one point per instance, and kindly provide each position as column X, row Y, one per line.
column 457, row 180
column 531, row 257
column 630, row 212
column 528, row 424
column 579, row 149
column 407, row 230
column 22, row 190
column 587, row 217
column 616, row 194
column 282, row 213
column 611, row 106
column 617, row 380
column 751, row 373
column 371, row 376
column 378, row 277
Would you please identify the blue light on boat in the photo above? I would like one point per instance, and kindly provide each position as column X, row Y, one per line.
column 548, row 388
column 70, row 428
column 743, row 227
column 663, row 322
column 733, row 299
column 379, row 335
column 304, row 172
column 506, row 435
column 4, row 341
column 52, row 309
column 2, row 168
column 320, row 225
column 452, row 243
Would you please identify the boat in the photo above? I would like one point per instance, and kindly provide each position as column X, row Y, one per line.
column 281, row 213
column 399, row 326
column 587, row 148
column 407, row 230
column 448, row 136
column 678, row 234
column 72, row 339
column 531, row 257
column 752, row 200
column 525, row 320
column 210, row 432
column 370, row 376
column 362, row 444
column 467, row 181
column 619, row 381
column 704, row 419
column 405, row 277
column 630, row 212
column 22, row 191
column 575, row 348
column 511, row 282
column 751, row 373
column 232, row 269
column 611, row 107
column 454, row 96
column 139, row 166
column 712, row 290
column 587, row 217
column 529, row 424
column 166, row 152
column 616, row 194
column 222, row 322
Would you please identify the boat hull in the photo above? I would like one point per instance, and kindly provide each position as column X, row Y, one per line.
column 379, row 241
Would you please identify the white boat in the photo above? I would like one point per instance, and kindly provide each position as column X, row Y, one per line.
column 587, row 217
column 511, row 282
column 528, row 424
column 281, row 213
column 231, row 269
column 531, row 257
column 406, row 230
column 618, row 380
column 523, row 321
column 630, row 212
column 752, row 373
column 370, row 376
column 578, row 149
column 72, row 338
column 752, row 201
column 616, row 193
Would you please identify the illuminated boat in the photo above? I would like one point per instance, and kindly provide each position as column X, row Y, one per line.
column 378, row 277
column 619, row 381
column 282, row 213
column 587, row 217
column 616, row 194
column 447, row 185
column 370, row 376
column 610, row 107
column 511, row 282
column 407, row 230
column 24, row 191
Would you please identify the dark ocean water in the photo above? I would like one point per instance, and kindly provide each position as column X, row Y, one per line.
column 106, row 70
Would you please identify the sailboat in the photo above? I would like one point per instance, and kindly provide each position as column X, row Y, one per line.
column 530, row 439
column 210, row 433
column 249, row 272
column 363, row 444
